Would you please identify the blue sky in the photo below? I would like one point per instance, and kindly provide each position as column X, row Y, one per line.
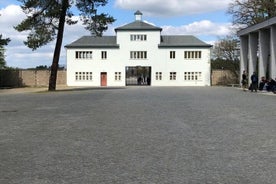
column 206, row 20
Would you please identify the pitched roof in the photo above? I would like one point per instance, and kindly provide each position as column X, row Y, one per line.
column 138, row 26
column 94, row 42
column 110, row 42
column 181, row 41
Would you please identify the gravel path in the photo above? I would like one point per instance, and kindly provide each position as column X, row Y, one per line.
column 138, row 135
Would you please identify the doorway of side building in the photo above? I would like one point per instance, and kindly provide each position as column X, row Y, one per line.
column 103, row 79
column 138, row 76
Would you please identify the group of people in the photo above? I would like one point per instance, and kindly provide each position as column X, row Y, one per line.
column 143, row 80
column 263, row 85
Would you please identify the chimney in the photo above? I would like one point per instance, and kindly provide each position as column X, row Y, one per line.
column 138, row 15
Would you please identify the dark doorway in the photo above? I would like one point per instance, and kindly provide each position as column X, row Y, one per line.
column 138, row 75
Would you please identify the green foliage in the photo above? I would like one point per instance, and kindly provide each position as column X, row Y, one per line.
column 46, row 19
column 219, row 64
column 98, row 23
column 3, row 42
column 43, row 18
column 42, row 67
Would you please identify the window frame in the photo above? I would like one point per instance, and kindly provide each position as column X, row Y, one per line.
column 82, row 55
column 193, row 76
column 118, row 76
column 172, row 54
column 158, row 76
column 104, row 55
column 138, row 55
column 173, row 76
column 138, row 37
column 190, row 55
column 83, row 76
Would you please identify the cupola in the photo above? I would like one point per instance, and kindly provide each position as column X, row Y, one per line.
column 138, row 15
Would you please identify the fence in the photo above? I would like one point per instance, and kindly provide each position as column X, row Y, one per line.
column 22, row 78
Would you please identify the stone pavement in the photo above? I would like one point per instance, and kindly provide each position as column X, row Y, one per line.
column 143, row 135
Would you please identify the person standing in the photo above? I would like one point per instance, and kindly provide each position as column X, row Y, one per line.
column 244, row 80
column 254, row 82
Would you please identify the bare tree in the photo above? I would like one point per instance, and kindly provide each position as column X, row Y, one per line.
column 250, row 12
column 226, row 48
column 226, row 55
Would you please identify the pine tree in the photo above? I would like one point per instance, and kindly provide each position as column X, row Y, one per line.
column 3, row 42
column 46, row 20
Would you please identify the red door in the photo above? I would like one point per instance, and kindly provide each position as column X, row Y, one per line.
column 103, row 79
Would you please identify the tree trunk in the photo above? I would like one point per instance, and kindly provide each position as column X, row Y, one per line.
column 54, row 67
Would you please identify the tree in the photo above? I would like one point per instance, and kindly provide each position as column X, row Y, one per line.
column 42, row 67
column 46, row 20
column 250, row 12
column 3, row 42
column 227, row 48
column 226, row 55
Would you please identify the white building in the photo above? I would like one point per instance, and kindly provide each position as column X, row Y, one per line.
column 138, row 54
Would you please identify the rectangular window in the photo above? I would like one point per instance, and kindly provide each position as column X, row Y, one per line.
column 192, row 54
column 158, row 75
column 104, row 54
column 83, row 76
column 172, row 75
column 192, row 76
column 83, row 54
column 118, row 76
column 138, row 37
column 172, row 54
column 138, row 54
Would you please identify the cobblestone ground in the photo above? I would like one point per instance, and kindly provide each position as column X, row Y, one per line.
column 146, row 135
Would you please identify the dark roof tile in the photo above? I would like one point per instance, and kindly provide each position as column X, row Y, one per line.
column 94, row 42
column 138, row 26
column 182, row 41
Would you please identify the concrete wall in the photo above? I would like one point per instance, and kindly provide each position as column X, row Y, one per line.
column 20, row 78
column 224, row 78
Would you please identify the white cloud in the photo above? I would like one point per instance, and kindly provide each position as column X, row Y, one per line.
column 12, row 11
column 204, row 28
column 10, row 17
column 18, row 54
column 173, row 7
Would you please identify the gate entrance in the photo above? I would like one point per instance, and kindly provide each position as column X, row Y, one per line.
column 138, row 75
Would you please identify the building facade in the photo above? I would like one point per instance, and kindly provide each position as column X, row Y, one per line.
column 258, row 49
column 138, row 55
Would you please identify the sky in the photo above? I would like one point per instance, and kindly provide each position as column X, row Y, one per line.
column 204, row 19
